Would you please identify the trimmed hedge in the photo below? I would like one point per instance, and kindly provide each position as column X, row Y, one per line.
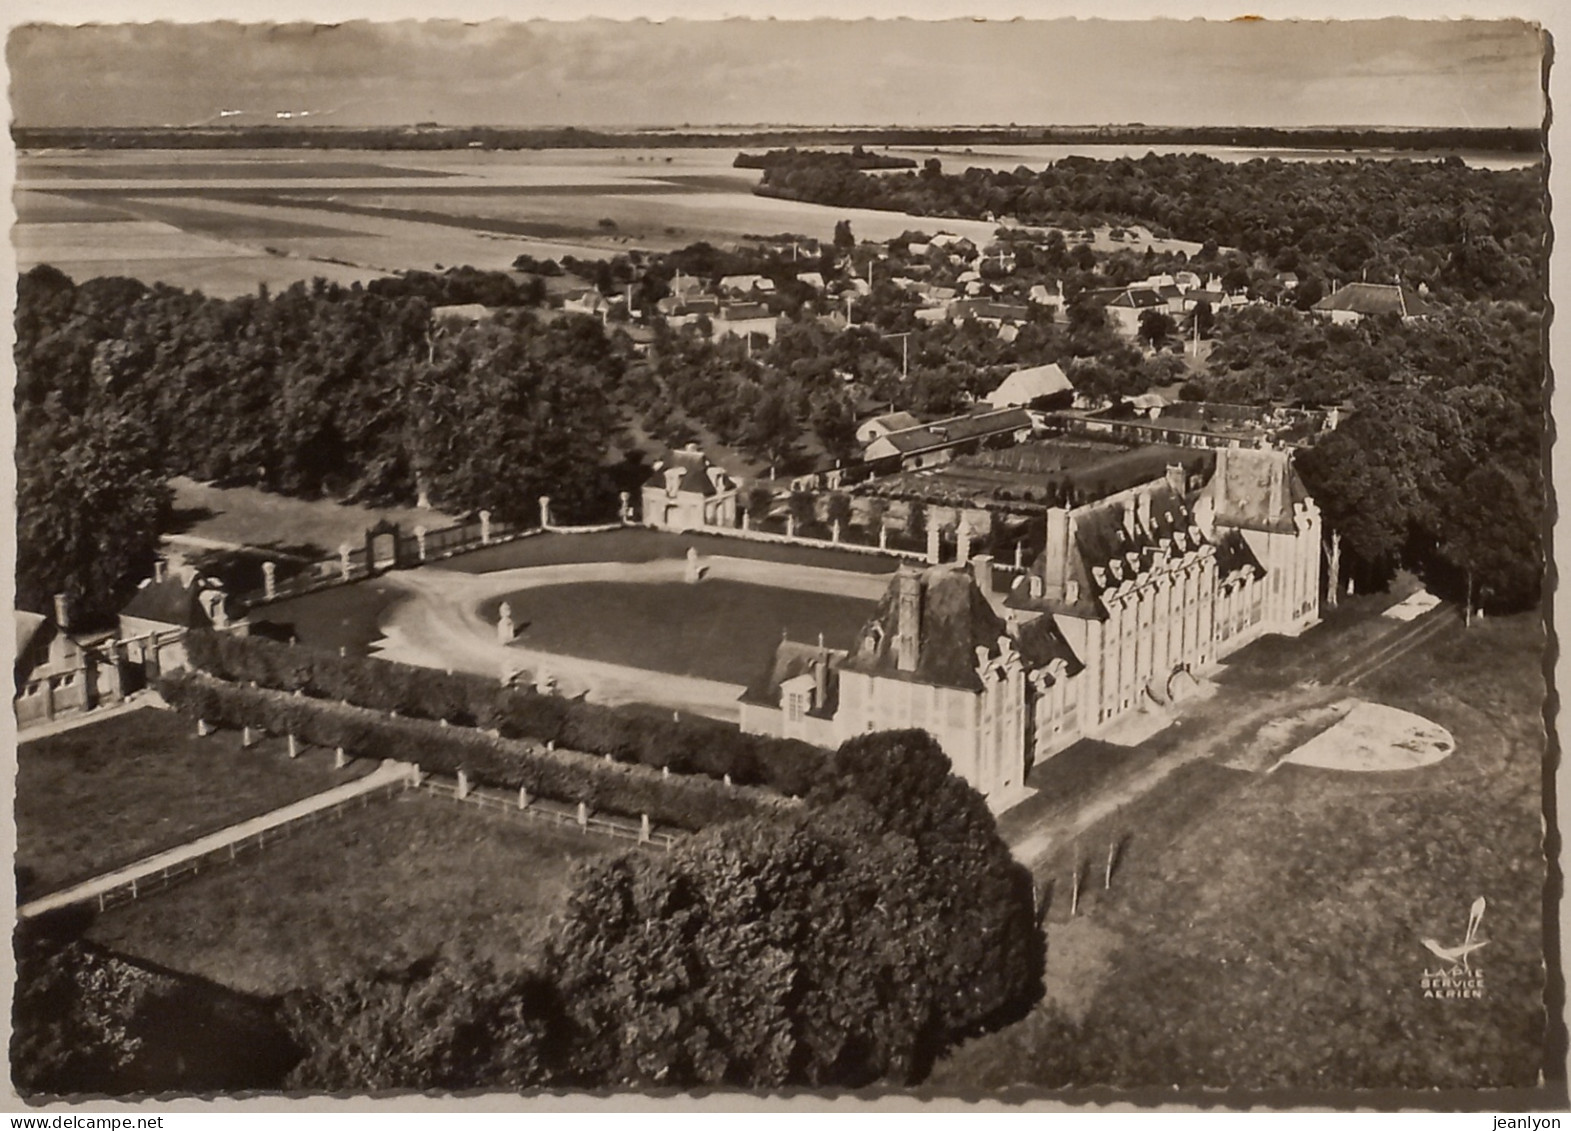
column 702, row 746
column 687, row 802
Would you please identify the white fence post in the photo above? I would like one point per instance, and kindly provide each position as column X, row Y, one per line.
column 340, row 759
column 583, row 816
column 463, row 785
column 523, row 797
column 294, row 747
column 203, row 728
column 643, row 828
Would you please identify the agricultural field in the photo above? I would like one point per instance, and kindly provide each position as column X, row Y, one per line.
column 109, row 793
column 719, row 630
column 383, row 886
column 1268, row 929
column 225, row 225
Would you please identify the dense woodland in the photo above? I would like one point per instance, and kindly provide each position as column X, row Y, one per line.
column 1467, row 232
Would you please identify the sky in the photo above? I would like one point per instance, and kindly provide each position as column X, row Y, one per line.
column 609, row 73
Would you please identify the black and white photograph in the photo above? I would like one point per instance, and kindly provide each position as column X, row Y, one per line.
column 928, row 557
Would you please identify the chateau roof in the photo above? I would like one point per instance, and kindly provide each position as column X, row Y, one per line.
column 1040, row 643
column 956, row 620
column 1255, row 489
column 1099, row 537
column 694, row 466
column 790, row 659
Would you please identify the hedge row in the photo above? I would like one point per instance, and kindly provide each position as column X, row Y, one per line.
column 687, row 802
column 701, row 746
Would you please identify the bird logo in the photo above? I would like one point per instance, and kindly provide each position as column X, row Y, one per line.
column 1458, row 956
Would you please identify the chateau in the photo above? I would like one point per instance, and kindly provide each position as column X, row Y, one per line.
column 1133, row 598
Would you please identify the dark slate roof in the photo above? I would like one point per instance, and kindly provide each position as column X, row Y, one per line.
column 956, row 620
column 1377, row 298
column 170, row 601
column 1234, row 554
column 1240, row 490
column 792, row 658
column 1040, row 643
column 956, row 429
column 1138, row 297
column 737, row 311
column 976, row 424
column 895, row 421
column 1097, row 537
column 29, row 627
column 695, row 472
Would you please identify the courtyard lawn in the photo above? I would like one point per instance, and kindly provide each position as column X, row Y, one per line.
column 382, row 886
column 719, row 630
column 103, row 795
column 247, row 516
column 637, row 544
column 1267, row 930
column 343, row 616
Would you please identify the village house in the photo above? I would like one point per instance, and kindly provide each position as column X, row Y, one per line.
column 685, row 492
column 1041, row 386
column 1356, row 301
column 874, row 427
column 744, row 319
column 928, row 445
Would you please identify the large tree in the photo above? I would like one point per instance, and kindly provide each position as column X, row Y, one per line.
column 91, row 502
column 838, row 946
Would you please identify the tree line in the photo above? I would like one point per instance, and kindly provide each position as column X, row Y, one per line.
column 319, row 390
column 1440, row 465
column 1474, row 233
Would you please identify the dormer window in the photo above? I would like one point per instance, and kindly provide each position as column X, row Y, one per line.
column 673, row 481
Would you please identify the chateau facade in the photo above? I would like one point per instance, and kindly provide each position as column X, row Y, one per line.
column 1133, row 598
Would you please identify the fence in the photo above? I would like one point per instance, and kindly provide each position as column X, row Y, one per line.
column 555, row 813
column 137, row 886
column 409, row 548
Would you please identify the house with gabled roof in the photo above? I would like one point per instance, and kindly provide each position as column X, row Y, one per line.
column 927, row 445
column 686, row 492
column 1354, row 301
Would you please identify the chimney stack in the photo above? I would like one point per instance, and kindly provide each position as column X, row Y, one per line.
column 1055, row 558
column 62, row 610
column 1129, row 518
column 1143, row 509
column 159, row 568
column 1278, row 474
column 820, row 681
column 908, row 631
column 1176, row 480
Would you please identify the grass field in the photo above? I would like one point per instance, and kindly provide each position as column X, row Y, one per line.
column 382, row 886
column 720, row 630
column 1266, row 930
column 99, row 796
column 250, row 517
column 345, row 616
column 642, row 545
